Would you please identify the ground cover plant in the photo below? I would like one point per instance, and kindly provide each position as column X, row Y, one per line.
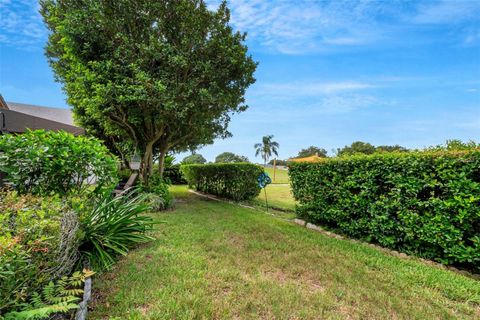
column 236, row 181
column 423, row 203
column 214, row 260
column 55, row 298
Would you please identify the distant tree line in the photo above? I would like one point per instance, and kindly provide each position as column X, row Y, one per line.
column 357, row 147
column 367, row 148
column 230, row 157
column 224, row 157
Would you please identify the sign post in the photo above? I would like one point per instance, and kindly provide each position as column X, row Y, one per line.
column 264, row 180
column 274, row 168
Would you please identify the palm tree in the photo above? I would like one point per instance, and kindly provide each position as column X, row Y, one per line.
column 266, row 148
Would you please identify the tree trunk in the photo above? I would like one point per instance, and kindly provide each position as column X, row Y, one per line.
column 147, row 162
column 161, row 163
column 124, row 160
column 163, row 146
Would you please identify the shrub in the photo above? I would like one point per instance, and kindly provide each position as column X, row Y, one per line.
column 157, row 194
column 124, row 174
column 424, row 203
column 43, row 162
column 237, row 181
column 174, row 175
column 112, row 228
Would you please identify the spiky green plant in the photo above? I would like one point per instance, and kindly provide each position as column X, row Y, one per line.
column 112, row 227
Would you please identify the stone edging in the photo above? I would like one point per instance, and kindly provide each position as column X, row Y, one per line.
column 401, row 255
column 212, row 197
column 81, row 313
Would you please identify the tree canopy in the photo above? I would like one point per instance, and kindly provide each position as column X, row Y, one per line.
column 266, row 148
column 395, row 148
column 356, row 147
column 230, row 157
column 160, row 75
column 312, row 150
column 456, row 145
column 194, row 159
column 278, row 162
column 368, row 148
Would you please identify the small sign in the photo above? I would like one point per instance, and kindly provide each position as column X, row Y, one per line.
column 263, row 180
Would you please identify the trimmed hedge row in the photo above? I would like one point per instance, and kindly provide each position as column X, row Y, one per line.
column 421, row 203
column 236, row 181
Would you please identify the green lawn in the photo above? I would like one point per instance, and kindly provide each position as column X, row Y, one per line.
column 281, row 175
column 213, row 260
column 279, row 196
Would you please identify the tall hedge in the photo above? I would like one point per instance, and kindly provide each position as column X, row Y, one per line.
column 236, row 181
column 426, row 204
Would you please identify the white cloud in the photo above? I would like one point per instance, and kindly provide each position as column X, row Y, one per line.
column 345, row 103
column 294, row 27
column 448, row 12
column 21, row 25
column 472, row 37
column 313, row 98
column 303, row 27
column 311, row 88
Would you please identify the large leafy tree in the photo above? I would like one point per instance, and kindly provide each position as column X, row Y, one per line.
column 266, row 148
column 194, row 158
column 164, row 75
column 356, row 147
column 230, row 157
column 312, row 150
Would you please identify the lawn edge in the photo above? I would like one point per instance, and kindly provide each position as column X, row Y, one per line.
column 319, row 229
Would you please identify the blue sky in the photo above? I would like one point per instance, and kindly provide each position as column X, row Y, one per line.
column 330, row 72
